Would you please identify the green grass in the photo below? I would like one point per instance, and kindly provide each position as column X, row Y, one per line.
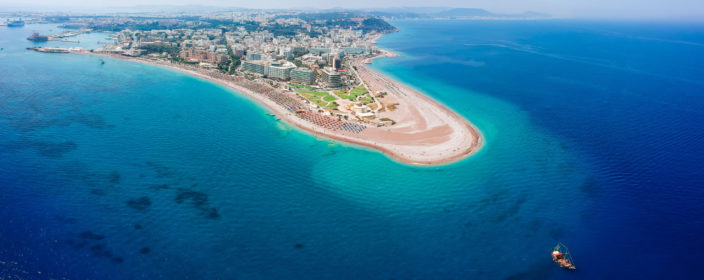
column 300, row 86
column 359, row 90
column 355, row 93
column 366, row 100
column 320, row 98
column 332, row 105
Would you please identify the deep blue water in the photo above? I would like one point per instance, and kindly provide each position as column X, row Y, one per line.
column 127, row 171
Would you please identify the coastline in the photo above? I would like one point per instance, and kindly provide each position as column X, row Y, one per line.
column 461, row 140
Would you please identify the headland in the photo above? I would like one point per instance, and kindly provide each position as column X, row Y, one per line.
column 419, row 130
column 311, row 70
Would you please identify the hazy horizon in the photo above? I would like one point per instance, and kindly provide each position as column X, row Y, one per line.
column 627, row 9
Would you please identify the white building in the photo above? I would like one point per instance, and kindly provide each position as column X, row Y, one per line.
column 281, row 71
column 302, row 75
column 331, row 77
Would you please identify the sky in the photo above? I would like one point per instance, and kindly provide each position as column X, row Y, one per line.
column 616, row 9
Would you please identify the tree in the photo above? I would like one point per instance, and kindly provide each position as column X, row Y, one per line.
column 160, row 48
column 299, row 52
column 299, row 63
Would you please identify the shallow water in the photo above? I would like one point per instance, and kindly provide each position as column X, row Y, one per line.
column 124, row 171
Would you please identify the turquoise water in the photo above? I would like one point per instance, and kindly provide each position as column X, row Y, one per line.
column 127, row 171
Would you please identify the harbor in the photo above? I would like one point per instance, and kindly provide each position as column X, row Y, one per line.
column 60, row 37
column 36, row 37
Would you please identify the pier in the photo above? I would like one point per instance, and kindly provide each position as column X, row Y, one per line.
column 51, row 38
column 62, row 37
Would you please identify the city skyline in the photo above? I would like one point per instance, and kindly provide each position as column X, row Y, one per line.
column 685, row 10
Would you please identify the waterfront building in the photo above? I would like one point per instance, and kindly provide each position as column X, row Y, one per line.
column 302, row 75
column 280, row 71
column 254, row 67
column 331, row 77
column 196, row 55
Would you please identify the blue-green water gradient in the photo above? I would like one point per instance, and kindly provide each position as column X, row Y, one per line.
column 129, row 171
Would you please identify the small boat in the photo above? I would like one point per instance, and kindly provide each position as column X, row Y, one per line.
column 561, row 255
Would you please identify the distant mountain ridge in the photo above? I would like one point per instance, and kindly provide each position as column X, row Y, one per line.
column 386, row 13
column 465, row 12
column 449, row 13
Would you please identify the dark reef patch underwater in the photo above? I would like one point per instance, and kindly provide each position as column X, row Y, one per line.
column 139, row 204
column 128, row 171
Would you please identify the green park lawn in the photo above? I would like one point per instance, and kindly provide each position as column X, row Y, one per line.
column 320, row 98
column 359, row 93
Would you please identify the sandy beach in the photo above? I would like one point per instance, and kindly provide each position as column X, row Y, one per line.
column 426, row 132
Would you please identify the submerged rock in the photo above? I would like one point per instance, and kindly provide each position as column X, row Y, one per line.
column 91, row 236
column 139, row 204
column 114, row 177
column 198, row 199
column 212, row 213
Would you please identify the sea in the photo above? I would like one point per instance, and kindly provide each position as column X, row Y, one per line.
column 594, row 138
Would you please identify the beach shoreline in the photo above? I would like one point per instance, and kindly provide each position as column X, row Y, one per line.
column 451, row 138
